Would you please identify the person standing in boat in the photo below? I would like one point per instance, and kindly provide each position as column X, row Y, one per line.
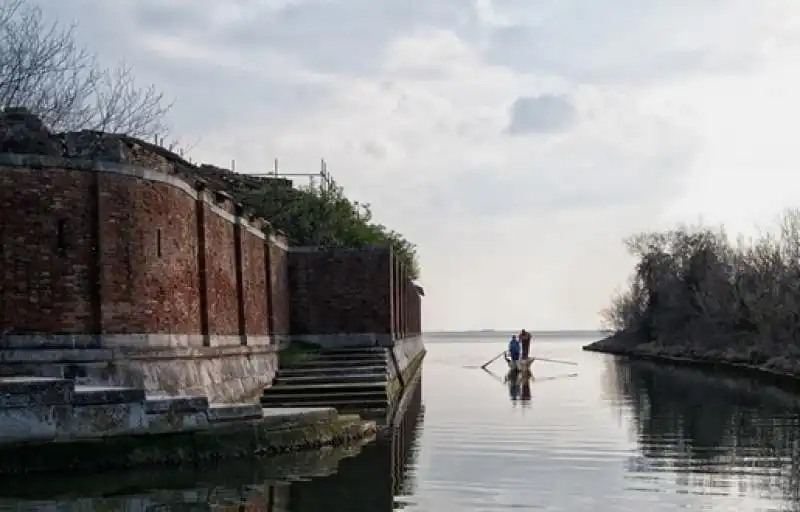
column 514, row 348
column 525, row 341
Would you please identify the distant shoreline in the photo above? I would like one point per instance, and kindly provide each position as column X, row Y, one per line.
column 543, row 333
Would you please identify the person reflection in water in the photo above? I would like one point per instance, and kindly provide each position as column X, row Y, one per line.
column 513, row 387
column 525, row 394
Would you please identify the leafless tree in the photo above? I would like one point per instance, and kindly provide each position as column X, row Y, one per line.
column 43, row 68
column 695, row 290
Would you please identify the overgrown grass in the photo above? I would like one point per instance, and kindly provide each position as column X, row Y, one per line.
column 297, row 351
column 694, row 287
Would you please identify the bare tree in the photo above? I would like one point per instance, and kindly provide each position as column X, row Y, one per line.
column 44, row 69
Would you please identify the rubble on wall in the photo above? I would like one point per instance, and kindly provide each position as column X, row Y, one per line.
column 22, row 132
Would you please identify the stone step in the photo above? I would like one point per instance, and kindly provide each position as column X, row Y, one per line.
column 279, row 398
column 335, row 370
column 326, row 389
column 339, row 403
column 323, row 356
column 336, row 363
column 351, row 351
column 343, row 378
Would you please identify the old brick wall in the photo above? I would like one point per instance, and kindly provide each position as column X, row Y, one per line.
column 149, row 257
column 336, row 291
column 220, row 274
column 179, row 262
column 255, row 285
column 414, row 310
column 279, row 287
column 46, row 251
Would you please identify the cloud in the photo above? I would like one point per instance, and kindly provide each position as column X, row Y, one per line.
column 541, row 114
column 625, row 114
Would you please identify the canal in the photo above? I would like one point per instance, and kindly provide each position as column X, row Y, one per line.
column 602, row 435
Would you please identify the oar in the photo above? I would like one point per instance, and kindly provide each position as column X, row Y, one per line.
column 490, row 361
column 553, row 361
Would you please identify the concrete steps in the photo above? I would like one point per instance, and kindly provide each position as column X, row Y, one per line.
column 321, row 370
column 330, row 378
column 347, row 379
column 328, row 364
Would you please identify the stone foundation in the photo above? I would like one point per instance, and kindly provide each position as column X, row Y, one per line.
column 228, row 373
column 56, row 425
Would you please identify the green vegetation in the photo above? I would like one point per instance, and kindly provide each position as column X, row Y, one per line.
column 695, row 293
column 324, row 216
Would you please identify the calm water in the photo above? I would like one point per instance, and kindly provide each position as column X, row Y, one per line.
column 616, row 436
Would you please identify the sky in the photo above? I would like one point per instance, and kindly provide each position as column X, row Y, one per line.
column 517, row 143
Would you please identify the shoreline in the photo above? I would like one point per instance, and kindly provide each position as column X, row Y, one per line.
column 627, row 346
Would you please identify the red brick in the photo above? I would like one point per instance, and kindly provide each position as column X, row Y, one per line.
column 254, row 273
column 144, row 291
column 223, row 310
column 279, row 288
column 41, row 288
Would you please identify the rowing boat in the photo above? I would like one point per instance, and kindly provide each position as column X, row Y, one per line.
column 520, row 365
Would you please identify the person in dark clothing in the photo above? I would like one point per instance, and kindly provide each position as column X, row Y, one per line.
column 514, row 348
column 525, row 341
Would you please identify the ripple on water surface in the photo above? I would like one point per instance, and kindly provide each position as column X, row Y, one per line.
column 616, row 436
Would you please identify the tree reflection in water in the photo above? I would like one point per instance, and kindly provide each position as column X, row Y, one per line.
column 717, row 435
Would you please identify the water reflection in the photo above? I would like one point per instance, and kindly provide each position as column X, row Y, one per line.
column 359, row 477
column 713, row 435
column 371, row 481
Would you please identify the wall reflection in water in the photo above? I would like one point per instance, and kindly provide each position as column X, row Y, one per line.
column 345, row 478
column 370, row 481
column 716, row 435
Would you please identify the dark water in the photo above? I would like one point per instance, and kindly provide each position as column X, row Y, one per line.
column 618, row 436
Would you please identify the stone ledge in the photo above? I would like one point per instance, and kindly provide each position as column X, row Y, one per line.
column 224, row 441
column 155, row 404
column 233, row 412
column 130, row 342
column 104, row 395
column 20, row 392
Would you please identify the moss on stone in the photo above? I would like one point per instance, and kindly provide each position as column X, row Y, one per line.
column 228, row 441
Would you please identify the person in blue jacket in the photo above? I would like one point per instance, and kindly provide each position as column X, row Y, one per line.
column 514, row 348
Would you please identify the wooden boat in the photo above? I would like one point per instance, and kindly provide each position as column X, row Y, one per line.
column 521, row 365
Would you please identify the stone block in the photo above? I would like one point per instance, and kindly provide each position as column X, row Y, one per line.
column 31, row 423
column 93, row 421
column 105, row 395
column 234, row 412
column 290, row 417
column 166, row 404
column 20, row 392
column 175, row 421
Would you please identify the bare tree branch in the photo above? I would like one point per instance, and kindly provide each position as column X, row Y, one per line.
column 43, row 69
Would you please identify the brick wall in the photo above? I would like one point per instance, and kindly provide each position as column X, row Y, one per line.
column 144, row 258
column 337, row 291
column 254, row 285
column 46, row 251
column 279, row 287
column 149, row 280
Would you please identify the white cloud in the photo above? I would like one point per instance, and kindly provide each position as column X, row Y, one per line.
column 668, row 109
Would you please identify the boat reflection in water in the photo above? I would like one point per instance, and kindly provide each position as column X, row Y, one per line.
column 707, row 434
column 361, row 477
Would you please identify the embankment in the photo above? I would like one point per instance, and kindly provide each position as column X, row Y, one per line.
column 121, row 264
column 51, row 425
column 779, row 369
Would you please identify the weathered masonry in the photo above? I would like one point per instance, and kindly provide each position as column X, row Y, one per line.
column 117, row 266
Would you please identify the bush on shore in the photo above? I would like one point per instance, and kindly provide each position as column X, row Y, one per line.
column 694, row 292
column 324, row 216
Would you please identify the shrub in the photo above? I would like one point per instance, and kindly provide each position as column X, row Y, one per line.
column 692, row 285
